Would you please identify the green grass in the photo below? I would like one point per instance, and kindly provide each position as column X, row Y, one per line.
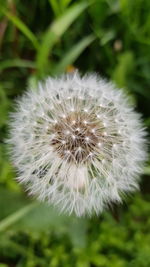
column 48, row 37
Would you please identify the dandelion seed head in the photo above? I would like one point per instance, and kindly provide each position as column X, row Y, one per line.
column 77, row 143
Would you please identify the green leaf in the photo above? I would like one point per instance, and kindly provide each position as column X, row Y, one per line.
column 73, row 54
column 18, row 212
column 11, row 219
column 10, row 63
column 22, row 27
column 55, row 31
column 44, row 217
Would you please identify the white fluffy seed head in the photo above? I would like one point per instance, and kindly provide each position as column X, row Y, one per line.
column 77, row 143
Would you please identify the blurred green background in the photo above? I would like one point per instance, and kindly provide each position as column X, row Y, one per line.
column 48, row 37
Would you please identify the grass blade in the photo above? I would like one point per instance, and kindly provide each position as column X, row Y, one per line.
column 66, row 2
column 16, row 63
column 22, row 27
column 55, row 7
column 57, row 28
column 73, row 54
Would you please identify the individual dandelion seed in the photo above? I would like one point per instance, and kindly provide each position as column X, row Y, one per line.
column 77, row 143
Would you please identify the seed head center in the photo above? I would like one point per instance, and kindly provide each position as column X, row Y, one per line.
column 77, row 136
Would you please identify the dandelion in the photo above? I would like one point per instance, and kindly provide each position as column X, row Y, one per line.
column 77, row 143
